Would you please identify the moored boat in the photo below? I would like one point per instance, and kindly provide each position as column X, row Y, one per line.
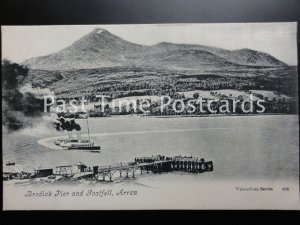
column 80, row 145
column 77, row 143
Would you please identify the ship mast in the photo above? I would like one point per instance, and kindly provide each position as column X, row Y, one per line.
column 87, row 122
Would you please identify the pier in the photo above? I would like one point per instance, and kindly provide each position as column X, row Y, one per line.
column 140, row 165
column 154, row 164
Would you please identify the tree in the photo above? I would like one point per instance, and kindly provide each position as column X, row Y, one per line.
column 12, row 75
column 196, row 95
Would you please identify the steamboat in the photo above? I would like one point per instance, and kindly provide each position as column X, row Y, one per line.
column 78, row 143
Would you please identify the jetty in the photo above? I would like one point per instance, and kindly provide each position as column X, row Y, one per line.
column 154, row 164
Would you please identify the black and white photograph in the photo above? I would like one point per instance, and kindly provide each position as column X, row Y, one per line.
column 150, row 116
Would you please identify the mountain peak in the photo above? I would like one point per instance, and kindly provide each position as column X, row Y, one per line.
column 98, row 38
column 98, row 30
column 100, row 48
column 97, row 33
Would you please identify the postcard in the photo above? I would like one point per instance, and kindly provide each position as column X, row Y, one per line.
column 150, row 116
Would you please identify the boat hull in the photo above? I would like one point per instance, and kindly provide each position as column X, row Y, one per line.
column 84, row 148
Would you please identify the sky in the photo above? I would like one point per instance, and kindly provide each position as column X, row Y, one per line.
column 278, row 39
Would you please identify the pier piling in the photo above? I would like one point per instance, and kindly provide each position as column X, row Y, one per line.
column 155, row 164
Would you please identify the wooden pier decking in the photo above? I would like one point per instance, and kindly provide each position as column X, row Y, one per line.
column 154, row 164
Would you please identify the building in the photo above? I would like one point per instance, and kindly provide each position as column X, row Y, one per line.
column 43, row 172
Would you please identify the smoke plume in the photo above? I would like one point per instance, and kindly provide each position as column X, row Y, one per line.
column 22, row 105
column 67, row 124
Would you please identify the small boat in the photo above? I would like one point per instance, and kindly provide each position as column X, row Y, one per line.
column 10, row 163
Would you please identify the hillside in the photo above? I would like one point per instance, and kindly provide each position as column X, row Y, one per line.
column 101, row 48
column 101, row 62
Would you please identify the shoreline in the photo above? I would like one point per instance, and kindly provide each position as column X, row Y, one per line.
column 184, row 116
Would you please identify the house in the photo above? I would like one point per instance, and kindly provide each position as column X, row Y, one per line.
column 11, row 171
column 43, row 172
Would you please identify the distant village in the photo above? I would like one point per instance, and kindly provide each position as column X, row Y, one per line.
column 280, row 104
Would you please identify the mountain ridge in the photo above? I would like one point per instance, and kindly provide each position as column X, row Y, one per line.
column 100, row 48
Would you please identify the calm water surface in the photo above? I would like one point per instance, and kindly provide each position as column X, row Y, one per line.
column 255, row 147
